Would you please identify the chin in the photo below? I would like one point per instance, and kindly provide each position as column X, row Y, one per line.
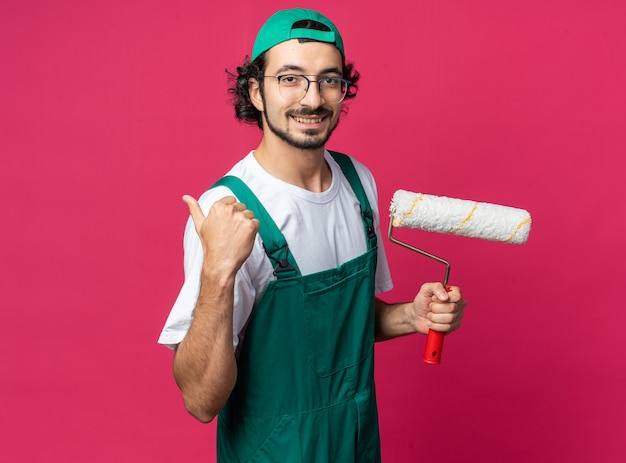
column 307, row 144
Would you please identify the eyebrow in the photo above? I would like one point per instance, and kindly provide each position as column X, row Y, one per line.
column 292, row 67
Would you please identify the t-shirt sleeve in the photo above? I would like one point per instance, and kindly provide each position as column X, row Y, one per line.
column 181, row 314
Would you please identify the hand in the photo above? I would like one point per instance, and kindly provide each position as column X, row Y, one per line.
column 227, row 233
column 437, row 309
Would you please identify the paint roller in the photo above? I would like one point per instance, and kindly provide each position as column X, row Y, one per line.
column 441, row 214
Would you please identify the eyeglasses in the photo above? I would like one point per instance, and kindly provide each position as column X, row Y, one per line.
column 294, row 87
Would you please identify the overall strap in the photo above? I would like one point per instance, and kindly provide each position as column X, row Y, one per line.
column 347, row 167
column 274, row 242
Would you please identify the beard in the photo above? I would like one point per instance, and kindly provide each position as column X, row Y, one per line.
column 313, row 139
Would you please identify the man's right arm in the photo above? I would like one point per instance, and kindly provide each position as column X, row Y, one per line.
column 204, row 363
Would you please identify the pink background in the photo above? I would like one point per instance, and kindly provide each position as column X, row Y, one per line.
column 110, row 111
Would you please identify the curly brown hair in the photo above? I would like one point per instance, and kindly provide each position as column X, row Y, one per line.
column 245, row 111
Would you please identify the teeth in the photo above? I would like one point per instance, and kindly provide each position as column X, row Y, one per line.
column 308, row 120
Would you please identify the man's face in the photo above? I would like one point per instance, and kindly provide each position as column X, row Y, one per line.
column 306, row 123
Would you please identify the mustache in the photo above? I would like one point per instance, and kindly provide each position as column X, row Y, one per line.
column 320, row 112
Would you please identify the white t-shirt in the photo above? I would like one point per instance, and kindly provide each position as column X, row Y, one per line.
column 323, row 231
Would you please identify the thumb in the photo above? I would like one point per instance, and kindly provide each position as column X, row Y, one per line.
column 194, row 210
column 436, row 291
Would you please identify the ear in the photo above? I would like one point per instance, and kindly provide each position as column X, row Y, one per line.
column 254, row 90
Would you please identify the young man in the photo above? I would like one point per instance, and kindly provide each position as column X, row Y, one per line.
column 274, row 327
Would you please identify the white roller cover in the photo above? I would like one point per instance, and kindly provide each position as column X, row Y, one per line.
column 460, row 217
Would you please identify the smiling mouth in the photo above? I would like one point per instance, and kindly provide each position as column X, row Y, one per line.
column 308, row 120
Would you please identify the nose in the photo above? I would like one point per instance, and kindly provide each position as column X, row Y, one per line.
column 312, row 96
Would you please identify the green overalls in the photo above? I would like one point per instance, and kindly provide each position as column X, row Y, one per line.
column 305, row 386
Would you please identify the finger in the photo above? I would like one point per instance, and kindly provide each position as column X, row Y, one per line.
column 194, row 210
column 454, row 292
column 248, row 214
column 442, row 307
column 446, row 322
column 228, row 200
column 454, row 295
column 445, row 314
column 240, row 207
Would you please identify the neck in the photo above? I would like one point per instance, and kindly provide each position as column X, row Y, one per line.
column 303, row 168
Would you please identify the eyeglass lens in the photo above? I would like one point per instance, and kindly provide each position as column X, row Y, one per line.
column 295, row 87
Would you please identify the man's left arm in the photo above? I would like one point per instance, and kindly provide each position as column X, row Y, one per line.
column 433, row 308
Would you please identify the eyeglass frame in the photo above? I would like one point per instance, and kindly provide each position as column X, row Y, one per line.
column 318, row 82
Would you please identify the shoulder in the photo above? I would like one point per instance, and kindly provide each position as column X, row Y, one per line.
column 241, row 170
column 365, row 175
column 363, row 171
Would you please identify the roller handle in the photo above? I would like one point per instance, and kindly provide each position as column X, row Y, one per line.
column 434, row 345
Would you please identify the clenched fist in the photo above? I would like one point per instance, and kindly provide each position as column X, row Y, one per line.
column 227, row 233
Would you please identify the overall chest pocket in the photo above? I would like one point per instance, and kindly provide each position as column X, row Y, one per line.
column 339, row 316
